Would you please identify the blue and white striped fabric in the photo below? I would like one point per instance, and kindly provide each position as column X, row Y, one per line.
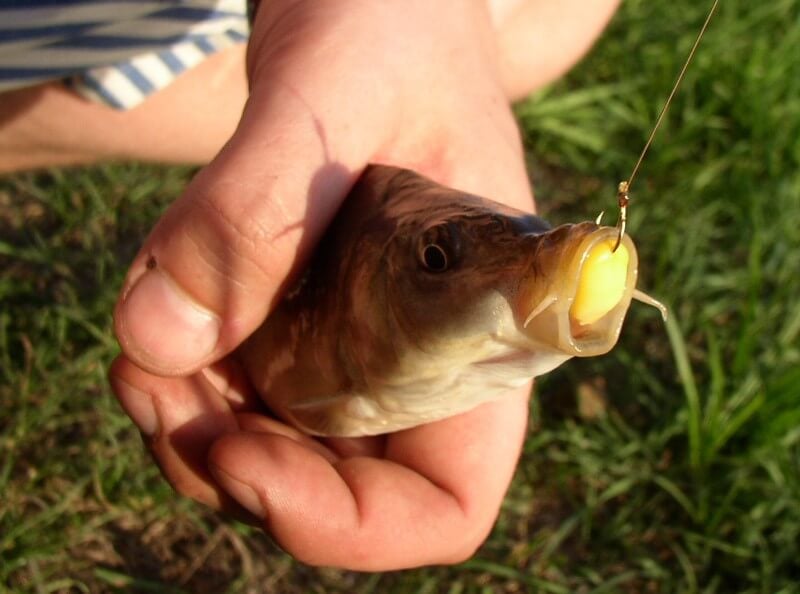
column 116, row 51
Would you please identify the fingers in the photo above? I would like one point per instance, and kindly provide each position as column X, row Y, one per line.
column 228, row 378
column 349, row 447
column 472, row 456
column 179, row 419
column 432, row 500
column 253, row 423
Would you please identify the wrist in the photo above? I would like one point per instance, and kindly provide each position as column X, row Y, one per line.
column 464, row 36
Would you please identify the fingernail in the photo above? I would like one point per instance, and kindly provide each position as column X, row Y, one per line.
column 164, row 325
column 244, row 494
column 137, row 404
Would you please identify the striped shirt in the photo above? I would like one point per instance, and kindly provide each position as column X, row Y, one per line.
column 115, row 51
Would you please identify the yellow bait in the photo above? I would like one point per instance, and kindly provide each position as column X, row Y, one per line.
column 601, row 284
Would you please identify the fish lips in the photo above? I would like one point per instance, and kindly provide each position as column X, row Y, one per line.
column 546, row 302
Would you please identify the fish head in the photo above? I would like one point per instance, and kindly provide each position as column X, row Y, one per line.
column 467, row 278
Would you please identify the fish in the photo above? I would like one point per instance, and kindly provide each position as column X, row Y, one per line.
column 422, row 302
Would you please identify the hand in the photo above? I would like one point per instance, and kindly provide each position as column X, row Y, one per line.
column 334, row 86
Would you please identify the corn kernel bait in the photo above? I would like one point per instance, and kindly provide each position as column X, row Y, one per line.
column 601, row 284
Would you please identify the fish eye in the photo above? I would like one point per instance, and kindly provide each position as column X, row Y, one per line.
column 497, row 224
column 439, row 247
column 435, row 258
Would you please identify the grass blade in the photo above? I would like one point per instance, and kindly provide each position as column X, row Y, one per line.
column 686, row 376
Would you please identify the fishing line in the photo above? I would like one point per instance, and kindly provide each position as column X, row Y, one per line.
column 623, row 198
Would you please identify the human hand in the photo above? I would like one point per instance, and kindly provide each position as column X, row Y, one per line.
column 334, row 86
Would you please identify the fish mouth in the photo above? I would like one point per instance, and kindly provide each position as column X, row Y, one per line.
column 580, row 291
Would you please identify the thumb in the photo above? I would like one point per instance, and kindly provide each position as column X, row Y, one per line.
column 215, row 263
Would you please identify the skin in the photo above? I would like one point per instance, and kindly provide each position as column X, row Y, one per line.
column 333, row 86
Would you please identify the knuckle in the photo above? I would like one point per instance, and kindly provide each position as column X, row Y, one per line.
column 464, row 550
column 253, row 230
column 474, row 532
column 189, row 487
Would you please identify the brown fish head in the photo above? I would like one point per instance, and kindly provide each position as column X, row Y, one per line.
column 467, row 280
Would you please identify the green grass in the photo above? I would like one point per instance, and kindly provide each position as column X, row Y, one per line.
column 684, row 478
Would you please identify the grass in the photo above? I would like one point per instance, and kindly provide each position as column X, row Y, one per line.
column 670, row 465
